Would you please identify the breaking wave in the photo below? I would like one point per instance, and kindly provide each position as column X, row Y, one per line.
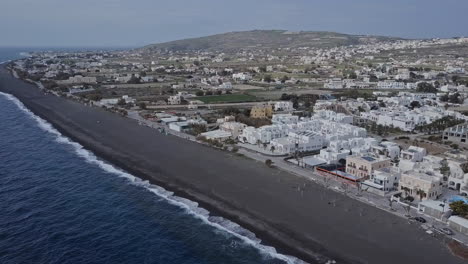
column 189, row 206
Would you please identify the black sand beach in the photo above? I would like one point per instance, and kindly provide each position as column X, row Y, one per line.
column 262, row 199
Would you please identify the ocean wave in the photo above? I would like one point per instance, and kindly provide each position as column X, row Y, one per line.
column 5, row 62
column 189, row 206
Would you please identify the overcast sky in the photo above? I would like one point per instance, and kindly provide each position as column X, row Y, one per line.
column 140, row 22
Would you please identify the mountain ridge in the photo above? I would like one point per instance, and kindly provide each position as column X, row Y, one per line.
column 257, row 39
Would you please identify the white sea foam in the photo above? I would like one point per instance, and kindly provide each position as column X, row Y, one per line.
column 5, row 62
column 189, row 206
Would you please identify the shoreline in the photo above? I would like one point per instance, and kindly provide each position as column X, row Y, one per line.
column 225, row 197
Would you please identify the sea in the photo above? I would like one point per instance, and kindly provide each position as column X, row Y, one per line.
column 59, row 203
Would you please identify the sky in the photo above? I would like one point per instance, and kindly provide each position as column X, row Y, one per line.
column 133, row 23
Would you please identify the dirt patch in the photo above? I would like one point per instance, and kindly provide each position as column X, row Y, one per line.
column 458, row 249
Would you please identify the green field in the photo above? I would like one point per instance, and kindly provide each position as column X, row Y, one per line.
column 227, row 98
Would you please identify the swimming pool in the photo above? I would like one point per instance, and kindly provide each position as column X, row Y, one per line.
column 457, row 198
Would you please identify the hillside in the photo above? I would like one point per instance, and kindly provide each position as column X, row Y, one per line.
column 263, row 39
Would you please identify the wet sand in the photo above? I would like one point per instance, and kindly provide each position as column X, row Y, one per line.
column 261, row 199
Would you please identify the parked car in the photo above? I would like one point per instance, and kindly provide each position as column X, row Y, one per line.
column 446, row 231
column 419, row 219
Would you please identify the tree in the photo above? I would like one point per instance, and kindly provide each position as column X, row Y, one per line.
column 425, row 87
column 415, row 104
column 444, row 169
column 455, row 98
column 268, row 162
column 121, row 102
column 267, row 78
column 407, row 209
column 342, row 162
column 134, row 80
column 142, row 105
column 94, row 97
column 199, row 93
column 209, row 93
column 459, row 208
column 444, row 98
column 272, row 149
column 421, row 194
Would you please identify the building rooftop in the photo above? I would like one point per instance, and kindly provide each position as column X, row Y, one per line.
column 368, row 158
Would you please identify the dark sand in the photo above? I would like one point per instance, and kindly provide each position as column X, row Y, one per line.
column 259, row 198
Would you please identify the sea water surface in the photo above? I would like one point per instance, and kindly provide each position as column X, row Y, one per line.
column 61, row 204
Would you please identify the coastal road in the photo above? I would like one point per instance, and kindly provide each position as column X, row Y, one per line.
column 270, row 202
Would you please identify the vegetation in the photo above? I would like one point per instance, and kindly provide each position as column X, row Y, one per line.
column 255, row 122
column 142, row 105
column 374, row 128
column 93, row 96
column 455, row 98
column 227, row 98
column 439, row 125
column 134, row 80
column 425, row 87
column 444, row 169
column 197, row 129
column 459, row 208
column 268, row 162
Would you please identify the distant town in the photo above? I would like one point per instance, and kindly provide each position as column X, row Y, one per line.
column 384, row 121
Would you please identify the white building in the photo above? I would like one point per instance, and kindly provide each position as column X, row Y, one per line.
column 284, row 119
column 263, row 134
column 335, row 83
column 389, row 84
column 299, row 141
column 179, row 126
column 241, row 76
column 383, row 180
column 387, row 149
column 413, row 153
column 283, row 106
column 235, row 128
column 420, row 186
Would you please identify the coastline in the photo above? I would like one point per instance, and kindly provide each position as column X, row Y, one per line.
column 261, row 199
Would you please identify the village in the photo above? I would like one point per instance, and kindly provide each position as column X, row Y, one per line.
column 383, row 122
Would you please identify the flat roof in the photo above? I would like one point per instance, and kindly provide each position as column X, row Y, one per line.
column 372, row 184
column 217, row 133
column 368, row 158
column 345, row 174
column 459, row 220
column 312, row 161
column 438, row 205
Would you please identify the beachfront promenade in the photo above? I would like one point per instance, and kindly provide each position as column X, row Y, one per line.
column 309, row 223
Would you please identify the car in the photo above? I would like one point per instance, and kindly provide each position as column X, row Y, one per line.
column 419, row 219
column 446, row 231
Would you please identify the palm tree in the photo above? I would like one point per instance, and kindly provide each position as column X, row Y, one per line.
column 272, row 149
column 421, row 194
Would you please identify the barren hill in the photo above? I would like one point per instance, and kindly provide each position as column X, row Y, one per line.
column 264, row 39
